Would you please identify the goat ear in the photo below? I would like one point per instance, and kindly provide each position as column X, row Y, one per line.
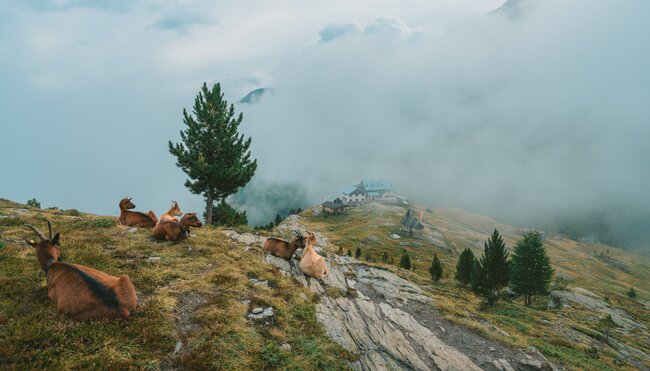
column 55, row 240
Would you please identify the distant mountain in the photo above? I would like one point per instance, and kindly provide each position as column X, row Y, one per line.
column 255, row 95
column 511, row 9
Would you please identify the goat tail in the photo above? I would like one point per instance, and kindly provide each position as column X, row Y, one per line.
column 153, row 216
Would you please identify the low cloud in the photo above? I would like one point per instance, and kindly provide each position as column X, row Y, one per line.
column 524, row 119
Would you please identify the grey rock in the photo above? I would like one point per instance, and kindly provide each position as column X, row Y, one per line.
column 559, row 298
column 412, row 244
column 278, row 262
column 259, row 314
column 286, row 347
column 178, row 347
column 257, row 282
column 132, row 230
column 395, row 236
column 534, row 363
column 503, row 365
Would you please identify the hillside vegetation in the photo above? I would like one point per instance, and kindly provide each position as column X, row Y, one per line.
column 569, row 335
column 193, row 301
column 194, row 297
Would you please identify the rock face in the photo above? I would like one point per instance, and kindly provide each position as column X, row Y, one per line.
column 391, row 323
column 560, row 298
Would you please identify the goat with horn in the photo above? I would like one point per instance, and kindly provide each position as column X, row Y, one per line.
column 284, row 249
column 172, row 213
column 78, row 291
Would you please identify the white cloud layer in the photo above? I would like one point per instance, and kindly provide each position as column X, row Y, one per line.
column 545, row 111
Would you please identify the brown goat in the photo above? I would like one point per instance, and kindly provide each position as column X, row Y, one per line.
column 135, row 218
column 172, row 213
column 312, row 264
column 283, row 249
column 176, row 231
column 82, row 292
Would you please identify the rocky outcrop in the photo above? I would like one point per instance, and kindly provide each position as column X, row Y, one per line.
column 389, row 322
column 560, row 298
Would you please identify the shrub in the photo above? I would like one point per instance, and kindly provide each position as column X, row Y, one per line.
column 357, row 253
column 560, row 283
column 2, row 245
column 72, row 212
column 34, row 203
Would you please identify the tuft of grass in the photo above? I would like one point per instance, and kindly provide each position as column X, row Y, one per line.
column 12, row 221
column 96, row 223
column 570, row 356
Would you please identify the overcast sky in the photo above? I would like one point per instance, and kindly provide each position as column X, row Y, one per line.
column 461, row 108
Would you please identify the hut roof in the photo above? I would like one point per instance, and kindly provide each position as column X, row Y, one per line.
column 376, row 185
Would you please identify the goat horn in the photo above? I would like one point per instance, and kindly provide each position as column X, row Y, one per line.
column 49, row 227
column 40, row 235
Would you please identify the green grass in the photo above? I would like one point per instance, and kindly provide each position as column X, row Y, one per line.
column 194, row 293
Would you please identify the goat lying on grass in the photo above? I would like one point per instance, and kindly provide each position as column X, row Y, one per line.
column 135, row 218
column 282, row 248
column 172, row 213
column 82, row 292
column 176, row 231
column 312, row 264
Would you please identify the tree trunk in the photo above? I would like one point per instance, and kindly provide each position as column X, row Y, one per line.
column 208, row 208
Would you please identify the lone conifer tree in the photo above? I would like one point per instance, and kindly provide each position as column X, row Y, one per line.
column 357, row 252
column 405, row 261
column 436, row 268
column 492, row 272
column 531, row 267
column 213, row 154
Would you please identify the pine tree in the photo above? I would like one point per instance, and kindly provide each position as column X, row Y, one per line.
column 349, row 253
column 606, row 324
column 464, row 266
column 357, row 253
column 631, row 293
column 435, row 269
column 493, row 270
column 213, row 154
column 405, row 261
column 531, row 267
column 278, row 219
column 478, row 278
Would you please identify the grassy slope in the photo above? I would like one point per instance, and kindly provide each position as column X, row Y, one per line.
column 194, row 294
column 527, row 326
